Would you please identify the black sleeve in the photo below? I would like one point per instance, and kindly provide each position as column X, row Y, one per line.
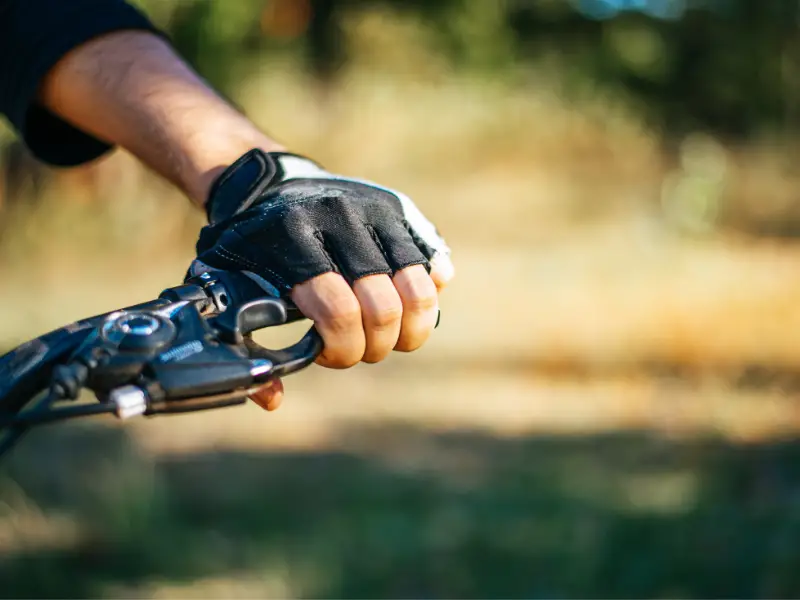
column 34, row 35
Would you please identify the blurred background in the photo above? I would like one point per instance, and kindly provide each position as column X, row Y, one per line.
column 609, row 408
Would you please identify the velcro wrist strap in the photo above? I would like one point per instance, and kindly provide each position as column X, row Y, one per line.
column 241, row 184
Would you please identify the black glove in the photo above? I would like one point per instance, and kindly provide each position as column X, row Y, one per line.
column 284, row 220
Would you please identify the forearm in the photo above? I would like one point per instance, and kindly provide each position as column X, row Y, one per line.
column 130, row 88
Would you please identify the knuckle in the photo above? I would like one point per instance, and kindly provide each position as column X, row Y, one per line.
column 387, row 315
column 375, row 356
column 410, row 343
column 419, row 293
column 403, row 346
column 343, row 356
column 343, row 312
column 346, row 361
column 421, row 303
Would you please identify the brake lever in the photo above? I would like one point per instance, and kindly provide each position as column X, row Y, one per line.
column 230, row 290
column 233, row 325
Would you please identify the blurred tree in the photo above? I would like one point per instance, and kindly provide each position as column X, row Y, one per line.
column 716, row 65
column 727, row 66
column 730, row 67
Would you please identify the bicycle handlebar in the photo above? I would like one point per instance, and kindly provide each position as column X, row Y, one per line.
column 188, row 350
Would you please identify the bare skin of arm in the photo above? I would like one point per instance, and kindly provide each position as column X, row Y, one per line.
column 131, row 89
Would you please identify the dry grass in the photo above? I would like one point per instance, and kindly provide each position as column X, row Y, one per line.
column 564, row 262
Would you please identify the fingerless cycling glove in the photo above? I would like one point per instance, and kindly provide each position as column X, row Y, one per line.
column 286, row 220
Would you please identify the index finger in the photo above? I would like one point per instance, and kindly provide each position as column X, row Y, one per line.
column 330, row 302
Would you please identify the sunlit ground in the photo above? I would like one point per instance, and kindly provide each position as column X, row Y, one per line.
column 607, row 409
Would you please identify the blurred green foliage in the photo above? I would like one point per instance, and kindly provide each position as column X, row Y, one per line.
column 728, row 66
column 466, row 515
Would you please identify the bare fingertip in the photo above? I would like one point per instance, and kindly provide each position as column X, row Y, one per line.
column 270, row 396
column 442, row 270
column 275, row 402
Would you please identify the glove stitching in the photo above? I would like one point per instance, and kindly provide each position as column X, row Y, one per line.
column 227, row 254
column 278, row 279
column 256, row 265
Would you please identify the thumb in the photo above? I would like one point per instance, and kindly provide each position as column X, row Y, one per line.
column 270, row 396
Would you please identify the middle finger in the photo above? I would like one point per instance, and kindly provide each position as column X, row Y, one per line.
column 331, row 304
column 381, row 313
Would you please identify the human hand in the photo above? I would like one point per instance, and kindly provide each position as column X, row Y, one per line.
column 359, row 260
